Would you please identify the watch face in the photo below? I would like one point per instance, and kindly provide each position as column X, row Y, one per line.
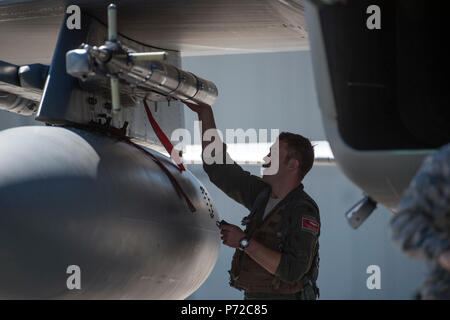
column 244, row 243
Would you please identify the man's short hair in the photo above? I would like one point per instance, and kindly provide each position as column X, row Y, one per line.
column 299, row 148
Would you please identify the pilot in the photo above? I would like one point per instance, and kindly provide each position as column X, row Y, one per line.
column 422, row 225
column 276, row 255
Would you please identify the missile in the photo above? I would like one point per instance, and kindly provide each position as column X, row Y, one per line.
column 90, row 62
column 72, row 197
column 144, row 70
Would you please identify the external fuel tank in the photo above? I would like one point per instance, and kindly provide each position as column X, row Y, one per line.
column 70, row 197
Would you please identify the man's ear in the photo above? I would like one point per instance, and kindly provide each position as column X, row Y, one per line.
column 293, row 163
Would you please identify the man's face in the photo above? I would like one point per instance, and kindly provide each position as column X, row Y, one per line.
column 276, row 162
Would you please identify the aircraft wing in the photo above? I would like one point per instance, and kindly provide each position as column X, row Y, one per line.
column 29, row 29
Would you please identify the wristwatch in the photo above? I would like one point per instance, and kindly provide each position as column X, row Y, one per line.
column 243, row 243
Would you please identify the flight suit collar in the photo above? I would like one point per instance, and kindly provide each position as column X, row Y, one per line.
column 294, row 193
column 265, row 195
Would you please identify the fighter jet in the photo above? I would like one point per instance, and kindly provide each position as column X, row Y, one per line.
column 89, row 195
column 92, row 192
column 380, row 74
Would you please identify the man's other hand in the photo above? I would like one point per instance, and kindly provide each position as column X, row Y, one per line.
column 231, row 235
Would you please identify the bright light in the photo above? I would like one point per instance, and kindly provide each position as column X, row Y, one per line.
column 254, row 153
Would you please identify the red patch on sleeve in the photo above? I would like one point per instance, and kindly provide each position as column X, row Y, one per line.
column 311, row 225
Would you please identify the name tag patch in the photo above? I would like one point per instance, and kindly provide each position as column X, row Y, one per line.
column 310, row 225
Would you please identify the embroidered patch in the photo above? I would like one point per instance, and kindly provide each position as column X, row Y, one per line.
column 310, row 225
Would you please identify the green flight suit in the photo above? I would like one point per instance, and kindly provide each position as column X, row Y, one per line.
column 297, row 231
